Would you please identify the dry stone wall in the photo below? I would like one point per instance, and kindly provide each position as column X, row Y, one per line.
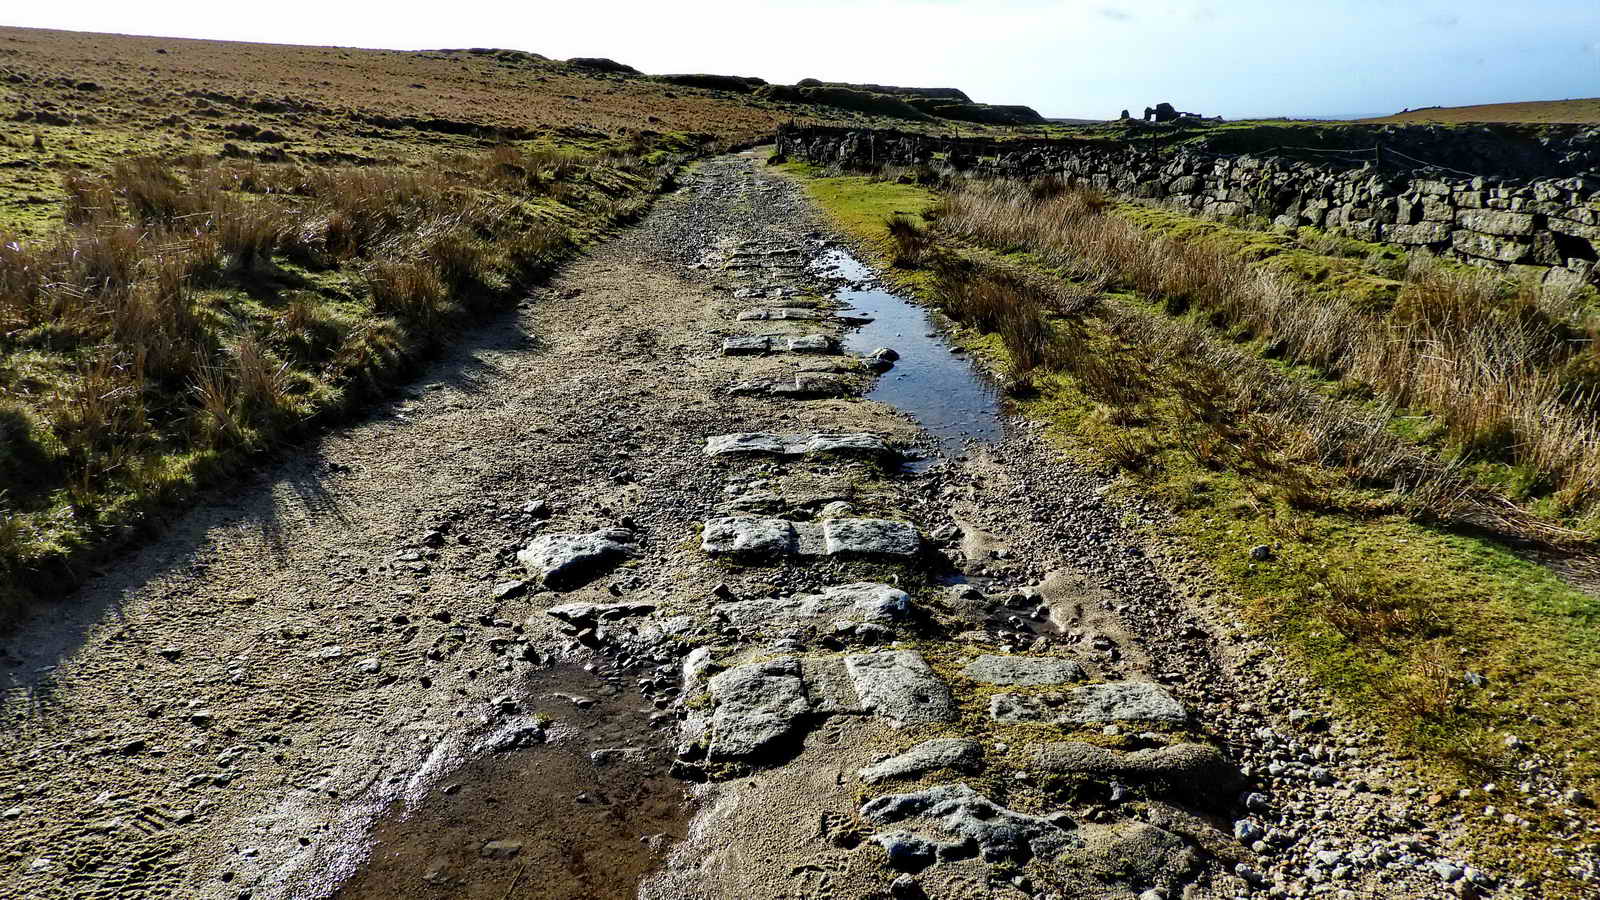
column 1551, row 226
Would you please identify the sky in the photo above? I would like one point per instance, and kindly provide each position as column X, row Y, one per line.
column 1067, row 58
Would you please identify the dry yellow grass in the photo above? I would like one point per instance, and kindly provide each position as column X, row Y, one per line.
column 1533, row 112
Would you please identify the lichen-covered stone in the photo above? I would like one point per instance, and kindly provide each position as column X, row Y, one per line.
column 1012, row 670
column 899, row 686
column 564, row 561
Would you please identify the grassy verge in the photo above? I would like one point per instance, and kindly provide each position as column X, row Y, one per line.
column 1388, row 613
column 188, row 313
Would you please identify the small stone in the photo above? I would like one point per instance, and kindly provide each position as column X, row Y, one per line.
column 170, row 653
column 1261, row 553
column 500, row 849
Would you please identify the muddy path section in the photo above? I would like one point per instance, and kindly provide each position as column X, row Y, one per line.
column 583, row 811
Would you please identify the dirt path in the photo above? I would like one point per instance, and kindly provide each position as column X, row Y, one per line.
column 345, row 679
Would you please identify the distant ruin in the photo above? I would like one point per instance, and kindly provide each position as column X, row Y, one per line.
column 1166, row 112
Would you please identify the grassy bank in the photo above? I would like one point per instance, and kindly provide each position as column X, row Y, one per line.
column 1386, row 585
column 190, row 313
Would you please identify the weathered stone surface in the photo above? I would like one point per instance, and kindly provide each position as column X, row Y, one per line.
column 746, row 346
column 810, row 343
column 755, row 345
column 1203, row 767
column 828, row 687
column 1421, row 233
column 1488, row 221
column 747, row 535
column 781, row 313
column 803, row 386
column 871, row 537
column 767, row 443
column 1488, row 246
column 563, row 561
column 991, row 669
column 899, row 686
column 941, row 753
column 996, row 832
column 756, row 707
column 1127, row 701
column 582, row 613
column 864, row 600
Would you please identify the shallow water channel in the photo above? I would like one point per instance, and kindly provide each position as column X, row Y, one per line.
column 932, row 381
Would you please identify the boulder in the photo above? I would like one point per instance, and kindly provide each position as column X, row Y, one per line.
column 565, row 561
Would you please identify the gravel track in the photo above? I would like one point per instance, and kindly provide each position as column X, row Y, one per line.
column 327, row 678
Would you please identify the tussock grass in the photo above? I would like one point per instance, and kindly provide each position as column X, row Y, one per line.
column 188, row 312
column 1499, row 363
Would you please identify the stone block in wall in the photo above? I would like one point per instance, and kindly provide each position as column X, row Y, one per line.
column 1546, row 252
column 1361, row 229
column 1225, row 208
column 1385, row 211
column 1420, row 233
column 1407, row 211
column 1489, row 246
column 1468, row 199
column 1437, row 209
column 1184, row 184
column 1570, row 277
column 1508, row 224
column 1314, row 213
column 1590, row 233
column 1432, row 188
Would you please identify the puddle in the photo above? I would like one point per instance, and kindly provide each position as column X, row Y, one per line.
column 541, row 822
column 940, row 389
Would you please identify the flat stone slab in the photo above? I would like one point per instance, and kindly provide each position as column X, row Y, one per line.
column 871, row 537
column 800, row 387
column 1125, row 701
column 781, row 313
column 929, row 756
column 1013, row 670
column 586, row 613
column 747, row 535
column 828, row 687
column 757, row 536
column 756, row 707
column 816, row 443
column 564, row 561
column 996, row 832
column 1198, row 765
column 899, row 686
column 864, row 601
column 757, row 345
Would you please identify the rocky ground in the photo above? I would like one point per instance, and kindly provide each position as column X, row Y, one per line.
column 635, row 593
